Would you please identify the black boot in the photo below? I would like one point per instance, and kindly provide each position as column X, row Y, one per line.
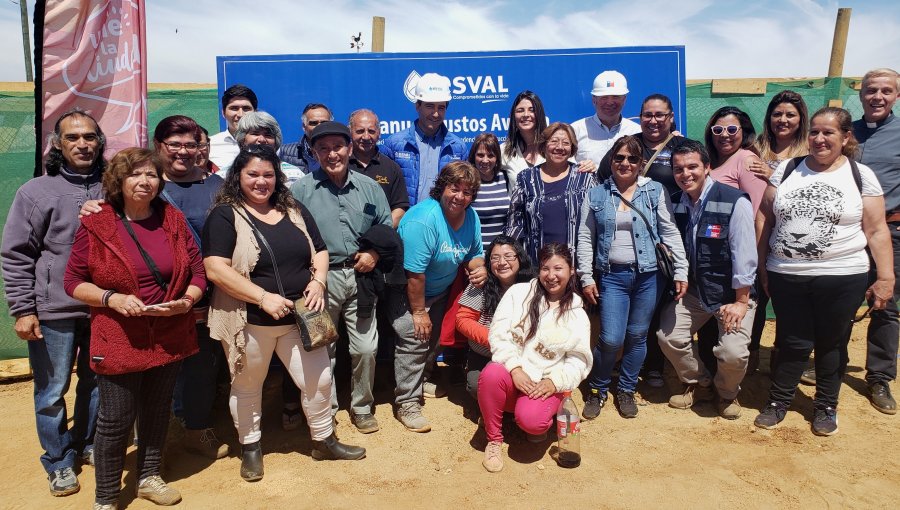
column 331, row 449
column 251, row 462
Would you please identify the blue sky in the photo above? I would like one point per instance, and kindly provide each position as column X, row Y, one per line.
column 723, row 38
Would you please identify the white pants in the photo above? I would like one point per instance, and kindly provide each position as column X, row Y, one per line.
column 311, row 371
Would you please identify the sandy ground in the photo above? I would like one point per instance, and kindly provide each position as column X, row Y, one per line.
column 663, row 458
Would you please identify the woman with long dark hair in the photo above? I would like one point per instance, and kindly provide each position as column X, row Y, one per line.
column 527, row 121
column 266, row 253
column 785, row 129
column 729, row 138
column 540, row 347
column 508, row 264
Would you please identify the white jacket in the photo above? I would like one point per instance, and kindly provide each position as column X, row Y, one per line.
column 559, row 351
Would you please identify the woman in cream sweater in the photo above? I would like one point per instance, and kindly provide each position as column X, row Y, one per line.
column 540, row 345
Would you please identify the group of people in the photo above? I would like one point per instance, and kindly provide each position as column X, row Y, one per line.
column 158, row 268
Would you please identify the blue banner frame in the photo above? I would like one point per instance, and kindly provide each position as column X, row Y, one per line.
column 483, row 84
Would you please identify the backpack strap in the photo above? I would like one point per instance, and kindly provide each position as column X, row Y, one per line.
column 854, row 168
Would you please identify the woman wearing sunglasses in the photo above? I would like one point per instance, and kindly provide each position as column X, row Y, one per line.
column 729, row 139
column 814, row 226
column 615, row 239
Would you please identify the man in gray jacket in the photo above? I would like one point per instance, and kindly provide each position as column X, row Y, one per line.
column 37, row 239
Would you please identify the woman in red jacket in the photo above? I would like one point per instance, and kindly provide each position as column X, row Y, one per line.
column 137, row 265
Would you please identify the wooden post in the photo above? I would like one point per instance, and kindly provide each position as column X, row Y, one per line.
column 377, row 34
column 26, row 40
column 839, row 45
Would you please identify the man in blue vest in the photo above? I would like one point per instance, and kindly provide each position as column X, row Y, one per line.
column 717, row 224
column 427, row 146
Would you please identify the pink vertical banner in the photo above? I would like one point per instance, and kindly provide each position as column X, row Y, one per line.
column 94, row 58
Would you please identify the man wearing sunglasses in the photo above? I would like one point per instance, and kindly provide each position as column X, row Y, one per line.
column 300, row 153
column 717, row 224
column 597, row 133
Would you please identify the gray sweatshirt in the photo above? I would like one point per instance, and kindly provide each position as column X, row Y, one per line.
column 37, row 240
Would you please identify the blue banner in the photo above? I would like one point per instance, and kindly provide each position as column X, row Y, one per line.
column 483, row 84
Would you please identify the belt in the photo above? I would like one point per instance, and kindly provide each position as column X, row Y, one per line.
column 346, row 264
column 893, row 216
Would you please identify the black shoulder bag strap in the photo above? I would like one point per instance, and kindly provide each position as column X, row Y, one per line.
column 649, row 226
column 262, row 240
column 157, row 276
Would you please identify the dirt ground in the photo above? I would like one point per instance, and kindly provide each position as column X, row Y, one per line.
column 663, row 458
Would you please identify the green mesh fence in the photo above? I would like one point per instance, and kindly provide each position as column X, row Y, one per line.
column 17, row 139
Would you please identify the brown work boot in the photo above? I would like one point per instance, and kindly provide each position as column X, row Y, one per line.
column 692, row 394
column 205, row 443
column 728, row 408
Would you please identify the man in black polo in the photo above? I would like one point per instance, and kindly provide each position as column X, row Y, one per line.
column 367, row 160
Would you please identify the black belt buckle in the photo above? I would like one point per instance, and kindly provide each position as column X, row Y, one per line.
column 346, row 264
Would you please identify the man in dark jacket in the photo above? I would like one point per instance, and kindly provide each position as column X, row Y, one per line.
column 878, row 133
column 300, row 153
column 37, row 239
column 717, row 224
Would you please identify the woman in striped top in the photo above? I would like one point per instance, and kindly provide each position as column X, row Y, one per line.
column 492, row 202
column 508, row 265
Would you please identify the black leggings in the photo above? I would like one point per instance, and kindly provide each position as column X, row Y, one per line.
column 144, row 395
column 813, row 312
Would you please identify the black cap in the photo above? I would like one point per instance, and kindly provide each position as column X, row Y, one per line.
column 329, row 128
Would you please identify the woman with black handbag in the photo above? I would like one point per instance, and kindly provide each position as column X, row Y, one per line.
column 623, row 221
column 266, row 253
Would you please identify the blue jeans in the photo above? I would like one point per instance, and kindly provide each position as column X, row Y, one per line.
column 627, row 301
column 51, row 361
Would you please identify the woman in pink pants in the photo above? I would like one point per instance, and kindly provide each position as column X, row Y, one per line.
column 540, row 346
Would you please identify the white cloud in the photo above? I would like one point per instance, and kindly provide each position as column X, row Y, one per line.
column 768, row 38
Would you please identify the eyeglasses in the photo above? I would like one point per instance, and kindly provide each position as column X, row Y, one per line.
column 203, row 146
column 177, row 146
column 559, row 142
column 865, row 314
column 730, row 129
column 265, row 150
column 314, row 123
column 509, row 257
column 634, row 160
column 655, row 115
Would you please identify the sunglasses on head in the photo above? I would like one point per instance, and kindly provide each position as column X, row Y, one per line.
column 730, row 129
column 259, row 149
column 634, row 160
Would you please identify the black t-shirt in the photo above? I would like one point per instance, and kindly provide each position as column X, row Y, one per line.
column 660, row 170
column 289, row 245
column 388, row 175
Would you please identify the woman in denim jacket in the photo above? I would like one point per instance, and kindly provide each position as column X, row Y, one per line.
column 614, row 240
